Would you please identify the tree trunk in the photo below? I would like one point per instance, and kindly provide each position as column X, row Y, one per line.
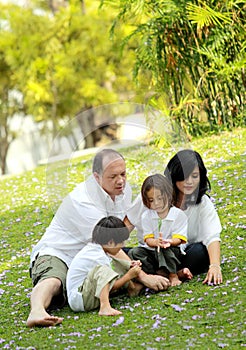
column 86, row 121
column 3, row 154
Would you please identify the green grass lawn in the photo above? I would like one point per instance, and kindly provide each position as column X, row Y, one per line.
column 190, row 316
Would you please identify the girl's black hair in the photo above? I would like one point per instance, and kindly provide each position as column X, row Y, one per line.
column 159, row 182
column 108, row 229
column 180, row 167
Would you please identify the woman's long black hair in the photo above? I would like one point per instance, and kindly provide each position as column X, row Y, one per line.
column 180, row 167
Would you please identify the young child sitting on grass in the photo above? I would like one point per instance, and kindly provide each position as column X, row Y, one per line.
column 164, row 230
column 95, row 271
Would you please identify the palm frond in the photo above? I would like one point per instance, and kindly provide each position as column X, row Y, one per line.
column 204, row 15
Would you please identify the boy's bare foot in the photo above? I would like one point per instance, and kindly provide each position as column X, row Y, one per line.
column 108, row 311
column 174, row 280
column 155, row 282
column 134, row 288
column 185, row 274
column 42, row 320
column 162, row 272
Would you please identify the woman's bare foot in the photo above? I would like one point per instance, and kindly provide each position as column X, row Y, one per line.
column 185, row 274
column 134, row 288
column 108, row 311
column 174, row 280
column 43, row 319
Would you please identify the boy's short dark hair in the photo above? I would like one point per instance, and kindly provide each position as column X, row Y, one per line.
column 109, row 229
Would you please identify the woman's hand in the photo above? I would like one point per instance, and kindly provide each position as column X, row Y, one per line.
column 214, row 275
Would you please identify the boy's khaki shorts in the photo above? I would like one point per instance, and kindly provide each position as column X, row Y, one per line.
column 47, row 266
column 97, row 279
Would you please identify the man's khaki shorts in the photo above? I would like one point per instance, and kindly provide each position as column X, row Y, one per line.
column 48, row 266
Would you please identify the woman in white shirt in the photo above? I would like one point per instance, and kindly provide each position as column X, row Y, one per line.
column 188, row 175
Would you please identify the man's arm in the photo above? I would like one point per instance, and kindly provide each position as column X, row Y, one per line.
column 128, row 224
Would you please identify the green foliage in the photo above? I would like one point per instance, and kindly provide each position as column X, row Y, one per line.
column 190, row 316
column 204, row 16
column 60, row 63
column 191, row 55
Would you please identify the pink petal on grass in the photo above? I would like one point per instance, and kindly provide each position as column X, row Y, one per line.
column 156, row 324
column 119, row 321
column 177, row 307
column 239, row 238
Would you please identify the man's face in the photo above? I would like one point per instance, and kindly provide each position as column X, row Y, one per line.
column 113, row 178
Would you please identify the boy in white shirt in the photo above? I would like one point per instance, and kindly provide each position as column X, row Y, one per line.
column 95, row 273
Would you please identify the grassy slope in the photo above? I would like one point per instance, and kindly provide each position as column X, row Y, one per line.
column 185, row 317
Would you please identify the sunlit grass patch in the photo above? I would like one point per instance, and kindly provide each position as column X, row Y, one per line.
column 190, row 316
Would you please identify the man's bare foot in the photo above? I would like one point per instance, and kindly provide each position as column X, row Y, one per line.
column 185, row 274
column 108, row 311
column 174, row 280
column 134, row 288
column 42, row 320
column 154, row 282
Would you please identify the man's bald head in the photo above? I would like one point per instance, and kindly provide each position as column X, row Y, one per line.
column 104, row 158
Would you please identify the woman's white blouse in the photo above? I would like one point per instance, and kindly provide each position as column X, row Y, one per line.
column 203, row 222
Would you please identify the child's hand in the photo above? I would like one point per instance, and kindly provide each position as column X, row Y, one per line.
column 166, row 243
column 163, row 243
column 134, row 271
column 135, row 263
column 159, row 242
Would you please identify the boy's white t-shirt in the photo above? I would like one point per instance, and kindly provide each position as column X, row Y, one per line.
column 89, row 257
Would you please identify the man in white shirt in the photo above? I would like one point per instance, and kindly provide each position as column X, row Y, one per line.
column 105, row 193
